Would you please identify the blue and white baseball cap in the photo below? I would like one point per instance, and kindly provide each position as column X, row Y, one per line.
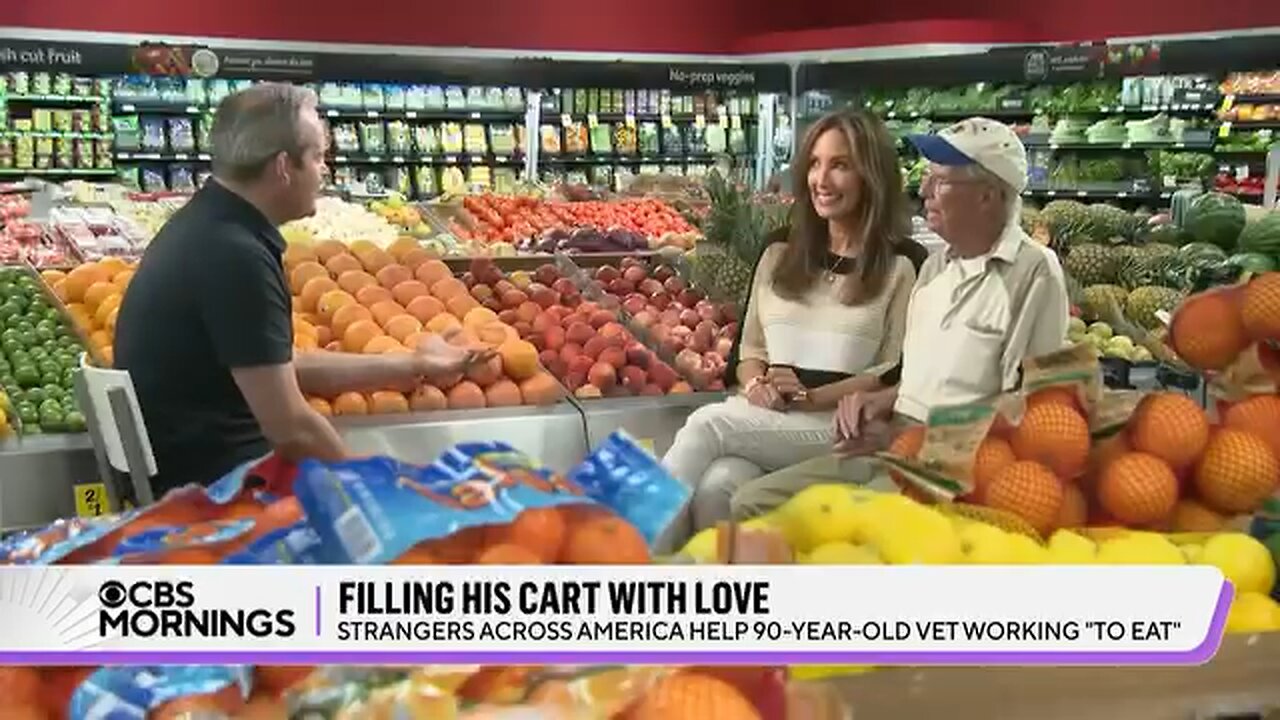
column 978, row 141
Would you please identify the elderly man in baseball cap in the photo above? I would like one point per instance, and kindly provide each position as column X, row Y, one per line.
column 992, row 298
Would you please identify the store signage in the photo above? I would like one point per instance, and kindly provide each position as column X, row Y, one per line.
column 63, row 57
column 1064, row 63
column 266, row 65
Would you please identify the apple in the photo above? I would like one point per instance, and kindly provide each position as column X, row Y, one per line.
column 660, row 300
column 544, row 296
column 602, row 375
column 633, row 378
column 481, row 292
column 649, row 286
column 634, row 274
column 607, row 273
column 670, row 317
column 468, row 278
column 729, row 330
column 690, row 297
column 630, row 261
column 644, row 318
column 562, row 285
column 723, row 347
column 673, row 285
column 634, row 304
column 729, row 311
column 638, row 355
column 662, row 272
column 707, row 311
column 651, row 389
column 683, row 334
column 548, row 275
column 622, row 286
column 689, row 318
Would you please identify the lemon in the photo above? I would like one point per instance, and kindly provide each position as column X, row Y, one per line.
column 1068, row 548
column 842, row 553
column 1244, row 561
column 1193, row 553
column 1027, row 551
column 817, row 515
column 923, row 537
column 986, row 545
column 1140, row 549
column 822, row 672
column 5, row 405
column 1253, row 612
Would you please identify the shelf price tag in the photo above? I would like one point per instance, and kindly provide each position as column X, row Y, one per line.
column 566, row 119
column 1228, row 102
column 630, row 120
column 666, row 121
column 592, row 120
column 735, row 122
column 700, row 121
column 91, row 500
column 1224, row 130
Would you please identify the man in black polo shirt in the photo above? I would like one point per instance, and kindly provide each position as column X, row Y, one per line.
column 206, row 331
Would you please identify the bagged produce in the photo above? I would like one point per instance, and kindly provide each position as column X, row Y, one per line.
column 112, row 693
column 452, row 510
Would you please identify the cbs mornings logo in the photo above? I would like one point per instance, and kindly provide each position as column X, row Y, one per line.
column 165, row 609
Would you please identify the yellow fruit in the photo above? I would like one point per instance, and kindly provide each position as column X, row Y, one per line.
column 1140, row 549
column 1027, row 551
column 1068, row 548
column 1243, row 560
column 1253, row 612
column 843, row 553
column 986, row 545
column 817, row 515
column 922, row 537
column 1192, row 552
column 823, row 672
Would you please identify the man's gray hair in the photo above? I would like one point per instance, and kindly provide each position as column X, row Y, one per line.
column 255, row 125
column 1010, row 198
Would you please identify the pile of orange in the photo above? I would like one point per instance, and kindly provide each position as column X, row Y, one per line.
column 1168, row 469
column 360, row 298
column 92, row 293
column 565, row 535
column 1212, row 330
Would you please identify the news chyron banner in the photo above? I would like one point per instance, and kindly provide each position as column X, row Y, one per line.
column 907, row 615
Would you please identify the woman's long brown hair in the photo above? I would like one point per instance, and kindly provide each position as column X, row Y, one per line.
column 880, row 213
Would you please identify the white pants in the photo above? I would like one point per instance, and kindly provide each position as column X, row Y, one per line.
column 726, row 445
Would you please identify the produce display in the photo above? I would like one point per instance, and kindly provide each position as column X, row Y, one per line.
column 41, row 352
column 624, row 225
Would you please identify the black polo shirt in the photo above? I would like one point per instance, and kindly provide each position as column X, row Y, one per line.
column 209, row 295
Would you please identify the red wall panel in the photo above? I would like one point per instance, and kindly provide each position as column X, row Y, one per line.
column 688, row 26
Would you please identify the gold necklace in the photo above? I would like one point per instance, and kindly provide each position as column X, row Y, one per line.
column 831, row 275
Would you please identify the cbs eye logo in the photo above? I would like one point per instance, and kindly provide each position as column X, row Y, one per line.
column 166, row 609
column 114, row 594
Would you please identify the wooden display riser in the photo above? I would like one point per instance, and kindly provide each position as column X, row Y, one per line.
column 1242, row 681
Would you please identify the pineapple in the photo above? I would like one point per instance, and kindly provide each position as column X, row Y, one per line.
column 1144, row 302
column 1092, row 264
column 735, row 231
column 1064, row 223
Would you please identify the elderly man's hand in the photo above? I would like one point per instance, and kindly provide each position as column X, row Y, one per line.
column 861, row 419
column 437, row 355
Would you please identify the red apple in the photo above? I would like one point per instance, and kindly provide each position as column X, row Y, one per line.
column 631, row 261
column 602, row 375
column 723, row 347
column 562, row 286
column 548, row 275
column 669, row 317
column 662, row 272
column 648, row 287
column 644, row 318
column 729, row 311
column 622, row 286
column 660, row 300
column 634, row 304
column 634, row 274
column 673, row 285
column 633, row 378
column 707, row 311
column 690, row 297
column 689, row 318
column 607, row 273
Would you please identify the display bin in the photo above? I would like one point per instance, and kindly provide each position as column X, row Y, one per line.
column 1240, row 682
column 653, row 421
column 554, row 435
column 38, row 475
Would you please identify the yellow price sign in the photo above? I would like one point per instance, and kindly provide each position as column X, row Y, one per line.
column 647, row 444
column 700, row 121
column 592, row 120
column 92, row 500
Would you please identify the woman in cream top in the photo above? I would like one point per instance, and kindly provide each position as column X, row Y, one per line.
column 825, row 316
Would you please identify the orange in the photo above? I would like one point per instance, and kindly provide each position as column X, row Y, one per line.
column 489, row 372
column 100, row 338
column 321, row 406
column 20, row 685
column 122, row 279
column 541, row 389
column 418, row 555
column 410, row 290
column 442, row 323
column 538, row 530
column 446, row 288
column 907, row 445
column 496, row 333
column 461, row 304
column 519, row 359
column 275, row 678
column 1029, row 490
column 428, row 397
column 306, row 342
column 424, row 307
column 353, row 280
column 374, row 260
column 331, row 301
column 508, row 555
column 384, row 402
column 1137, row 489
column 328, row 249
column 392, row 275
column 993, row 455
column 478, row 317
column 314, row 289
column 341, row 263
column 350, row 403
column 1237, row 472
column 97, row 292
column 358, row 335
column 401, row 247
column 346, row 315
column 360, row 247
column 299, row 276
column 431, row 272
column 1074, row 512
column 1055, row 436
column 415, row 258
column 385, row 310
column 604, row 540
column 297, row 254
column 222, row 703
column 52, row 277
column 1260, row 307
column 371, row 295
column 59, row 289
column 109, row 305
column 693, row 696
column 1171, row 426
column 382, row 344
column 1062, row 394
column 413, row 341
column 465, row 395
column 1192, row 516
column 402, row 326
column 1259, row 415
column 1206, row 330
column 79, row 280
